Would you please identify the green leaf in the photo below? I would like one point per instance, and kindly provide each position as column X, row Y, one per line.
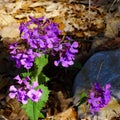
column 45, row 95
column 29, row 109
column 39, row 64
column 42, row 78
column 33, row 108
column 25, row 74
column 83, row 98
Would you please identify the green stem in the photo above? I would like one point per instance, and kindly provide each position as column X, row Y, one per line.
column 34, row 107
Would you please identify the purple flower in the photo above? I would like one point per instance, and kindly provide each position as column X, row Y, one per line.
column 25, row 90
column 36, row 20
column 22, row 96
column 19, row 80
column 73, row 48
column 99, row 97
column 107, row 93
column 33, row 86
column 34, row 95
column 18, row 93
column 67, row 54
column 13, row 91
column 43, row 36
column 23, row 57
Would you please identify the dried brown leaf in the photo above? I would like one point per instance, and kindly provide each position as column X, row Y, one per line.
column 5, row 19
column 74, row 18
column 52, row 7
column 39, row 9
column 108, row 44
column 59, row 20
column 65, row 102
column 10, row 31
column 13, row 111
column 40, row 3
column 13, row 7
column 69, row 114
column 113, row 25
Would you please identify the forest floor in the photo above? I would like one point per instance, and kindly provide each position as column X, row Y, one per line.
column 96, row 26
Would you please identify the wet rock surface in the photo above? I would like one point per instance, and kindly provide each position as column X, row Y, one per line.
column 102, row 67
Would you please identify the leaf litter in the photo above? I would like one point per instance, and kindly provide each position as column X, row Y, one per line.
column 95, row 31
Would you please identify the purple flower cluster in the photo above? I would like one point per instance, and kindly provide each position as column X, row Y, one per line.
column 67, row 54
column 22, row 56
column 42, row 36
column 99, row 97
column 25, row 91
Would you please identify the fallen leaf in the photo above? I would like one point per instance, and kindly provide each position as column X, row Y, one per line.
column 5, row 19
column 65, row 102
column 52, row 7
column 113, row 25
column 13, row 110
column 10, row 31
column 40, row 3
column 69, row 114
column 13, row 6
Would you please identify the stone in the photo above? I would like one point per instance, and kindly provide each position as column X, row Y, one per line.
column 102, row 67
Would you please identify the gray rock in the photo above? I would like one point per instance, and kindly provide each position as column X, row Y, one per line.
column 103, row 67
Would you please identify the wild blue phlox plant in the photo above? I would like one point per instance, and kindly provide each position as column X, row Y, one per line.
column 40, row 38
